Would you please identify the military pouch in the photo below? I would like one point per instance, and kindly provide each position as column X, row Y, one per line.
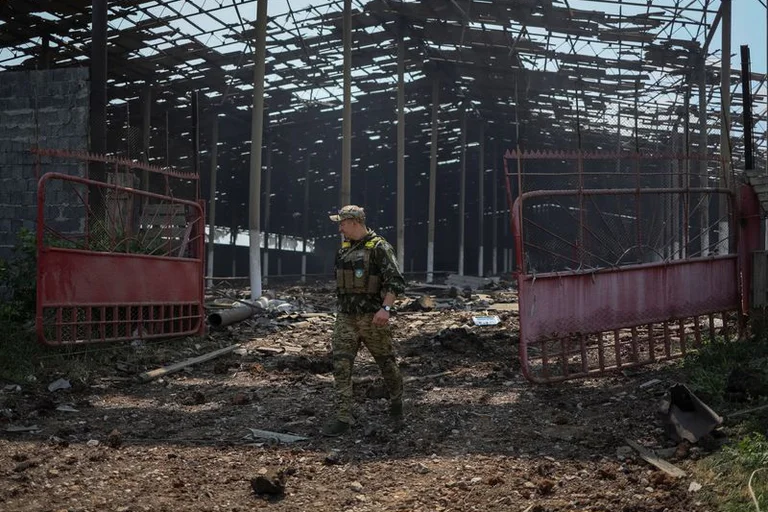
column 354, row 276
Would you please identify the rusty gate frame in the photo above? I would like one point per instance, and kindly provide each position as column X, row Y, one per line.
column 561, row 327
column 87, row 296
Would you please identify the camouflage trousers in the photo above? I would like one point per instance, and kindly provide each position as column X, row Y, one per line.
column 349, row 332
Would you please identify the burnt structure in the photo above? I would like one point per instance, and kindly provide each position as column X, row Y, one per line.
column 478, row 78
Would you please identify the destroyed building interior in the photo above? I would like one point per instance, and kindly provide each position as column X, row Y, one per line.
column 574, row 191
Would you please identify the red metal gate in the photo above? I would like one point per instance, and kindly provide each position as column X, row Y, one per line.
column 116, row 263
column 631, row 266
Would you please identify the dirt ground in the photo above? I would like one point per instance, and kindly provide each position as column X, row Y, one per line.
column 478, row 436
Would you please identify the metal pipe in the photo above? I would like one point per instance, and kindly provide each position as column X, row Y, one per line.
column 401, row 149
column 212, row 199
column 725, row 124
column 495, row 206
column 146, row 131
column 346, row 141
column 462, row 187
column 257, row 133
column 98, row 98
column 432, row 180
column 267, row 202
column 305, row 220
column 481, row 202
column 703, row 148
column 97, row 171
column 231, row 316
column 746, row 94
column 196, row 142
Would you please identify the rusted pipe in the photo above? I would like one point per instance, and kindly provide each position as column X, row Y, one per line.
column 231, row 316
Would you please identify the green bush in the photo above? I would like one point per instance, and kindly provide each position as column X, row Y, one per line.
column 17, row 280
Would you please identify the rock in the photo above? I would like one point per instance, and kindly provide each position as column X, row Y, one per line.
column 356, row 486
column 24, row 465
column 426, row 303
column 694, row 487
column 93, row 443
column 332, row 459
column 272, row 483
column 57, row 441
column 240, row 399
column 114, row 439
column 545, row 486
column 661, row 480
column 682, row 450
column 59, row 384
column 623, row 452
column 607, row 473
column 195, row 398
column 422, row 469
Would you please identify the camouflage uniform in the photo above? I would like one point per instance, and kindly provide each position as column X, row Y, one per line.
column 366, row 271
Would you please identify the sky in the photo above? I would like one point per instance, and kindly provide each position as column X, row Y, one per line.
column 748, row 27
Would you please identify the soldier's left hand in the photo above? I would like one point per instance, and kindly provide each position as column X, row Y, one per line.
column 381, row 318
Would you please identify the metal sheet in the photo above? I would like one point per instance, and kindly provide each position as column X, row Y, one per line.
column 564, row 305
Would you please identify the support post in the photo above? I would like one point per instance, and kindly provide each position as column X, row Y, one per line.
column 725, row 127
column 401, row 149
column 305, row 220
column 481, row 203
column 257, row 133
column 212, row 197
column 495, row 206
column 346, row 141
column 146, row 130
column 703, row 148
column 433, row 180
column 267, row 203
column 462, row 187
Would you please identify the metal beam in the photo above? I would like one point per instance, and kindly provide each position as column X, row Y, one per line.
column 462, row 187
column 401, row 150
column 257, row 133
column 212, row 197
column 433, row 180
column 346, row 142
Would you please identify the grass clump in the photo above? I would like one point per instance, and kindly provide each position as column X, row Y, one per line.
column 732, row 377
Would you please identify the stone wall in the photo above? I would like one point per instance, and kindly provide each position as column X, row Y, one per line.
column 49, row 109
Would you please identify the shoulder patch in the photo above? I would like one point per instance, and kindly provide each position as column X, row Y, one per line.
column 373, row 242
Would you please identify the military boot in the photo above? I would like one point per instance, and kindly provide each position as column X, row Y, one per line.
column 335, row 428
column 396, row 415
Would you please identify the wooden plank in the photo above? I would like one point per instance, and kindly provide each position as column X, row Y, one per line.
column 167, row 370
column 651, row 458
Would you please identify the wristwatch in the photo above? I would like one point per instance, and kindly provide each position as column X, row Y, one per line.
column 387, row 308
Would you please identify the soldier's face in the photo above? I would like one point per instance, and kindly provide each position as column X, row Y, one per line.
column 348, row 228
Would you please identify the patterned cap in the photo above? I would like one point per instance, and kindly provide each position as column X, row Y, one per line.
column 350, row 211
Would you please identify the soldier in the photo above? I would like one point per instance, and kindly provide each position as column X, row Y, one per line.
column 367, row 283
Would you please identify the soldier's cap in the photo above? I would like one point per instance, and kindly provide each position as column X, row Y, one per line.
column 350, row 211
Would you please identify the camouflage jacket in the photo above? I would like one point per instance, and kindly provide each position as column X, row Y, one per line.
column 382, row 267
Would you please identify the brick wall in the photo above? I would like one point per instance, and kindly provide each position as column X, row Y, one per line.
column 47, row 108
